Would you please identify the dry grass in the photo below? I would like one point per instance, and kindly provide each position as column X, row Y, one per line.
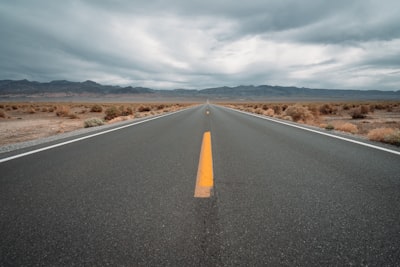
column 35, row 120
column 96, row 108
column 93, row 122
column 326, row 109
column 386, row 135
column 144, row 109
column 346, row 127
column 63, row 111
column 269, row 112
column 352, row 117
column 299, row 113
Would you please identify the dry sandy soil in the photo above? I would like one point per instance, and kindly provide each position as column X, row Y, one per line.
column 21, row 122
column 377, row 121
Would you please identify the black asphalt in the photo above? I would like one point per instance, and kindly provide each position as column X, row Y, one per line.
column 283, row 197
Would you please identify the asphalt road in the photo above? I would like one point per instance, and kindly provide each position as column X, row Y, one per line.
column 282, row 197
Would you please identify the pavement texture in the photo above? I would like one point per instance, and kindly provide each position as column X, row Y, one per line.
column 282, row 196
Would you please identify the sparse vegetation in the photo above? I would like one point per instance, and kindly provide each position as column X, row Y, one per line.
column 111, row 113
column 73, row 116
column 144, row 109
column 93, row 122
column 346, row 127
column 70, row 116
column 347, row 116
column 386, row 135
column 63, row 111
column 326, row 109
column 329, row 127
column 298, row 113
column 270, row 112
column 96, row 108
column 356, row 113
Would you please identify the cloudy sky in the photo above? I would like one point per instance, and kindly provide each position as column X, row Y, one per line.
column 352, row 44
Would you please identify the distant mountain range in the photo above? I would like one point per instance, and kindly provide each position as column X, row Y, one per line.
column 25, row 88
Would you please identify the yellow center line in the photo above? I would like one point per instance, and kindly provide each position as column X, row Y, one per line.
column 205, row 176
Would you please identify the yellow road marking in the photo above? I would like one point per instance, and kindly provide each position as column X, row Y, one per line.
column 205, row 176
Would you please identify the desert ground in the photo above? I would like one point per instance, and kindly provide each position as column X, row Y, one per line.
column 376, row 121
column 24, row 121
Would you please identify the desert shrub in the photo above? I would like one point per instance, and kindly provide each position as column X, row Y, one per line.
column 111, row 113
column 1, row 106
column 386, row 135
column 144, row 109
column 14, row 107
column 329, row 127
column 44, row 109
column 346, row 107
column 379, row 106
column 161, row 106
column 96, row 108
column 129, row 111
column 356, row 113
column 288, row 118
column 372, row 108
column 31, row 111
column 259, row 111
column 269, row 112
column 313, row 109
column 326, row 109
column 277, row 109
column 93, row 122
column 2, row 114
column 73, row 116
column 347, row 127
column 364, row 109
column 62, row 111
column 299, row 113
column 51, row 109
column 121, row 110
column 265, row 107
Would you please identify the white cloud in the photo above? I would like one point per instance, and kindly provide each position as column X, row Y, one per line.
column 203, row 44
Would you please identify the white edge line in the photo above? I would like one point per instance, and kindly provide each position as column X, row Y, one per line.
column 318, row 132
column 86, row 137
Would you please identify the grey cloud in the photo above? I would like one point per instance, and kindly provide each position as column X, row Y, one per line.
column 184, row 43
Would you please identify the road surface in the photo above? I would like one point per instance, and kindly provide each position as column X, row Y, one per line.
column 281, row 196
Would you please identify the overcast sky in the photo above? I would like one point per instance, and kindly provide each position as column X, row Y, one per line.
column 340, row 44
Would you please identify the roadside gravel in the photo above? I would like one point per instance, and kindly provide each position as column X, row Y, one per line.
column 21, row 145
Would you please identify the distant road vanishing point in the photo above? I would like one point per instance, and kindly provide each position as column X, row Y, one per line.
column 277, row 195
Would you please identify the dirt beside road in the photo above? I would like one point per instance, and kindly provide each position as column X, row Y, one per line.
column 377, row 121
column 21, row 122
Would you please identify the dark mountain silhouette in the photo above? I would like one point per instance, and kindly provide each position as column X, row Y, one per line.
column 25, row 87
column 10, row 88
column 295, row 92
